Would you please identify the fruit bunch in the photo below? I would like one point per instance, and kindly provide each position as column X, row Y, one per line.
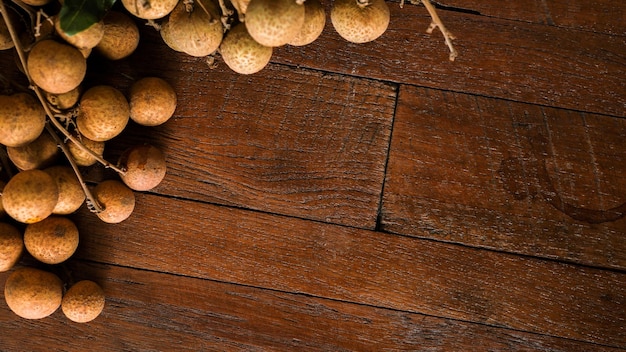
column 49, row 134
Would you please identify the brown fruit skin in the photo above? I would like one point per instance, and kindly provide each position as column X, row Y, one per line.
column 32, row 293
column 66, row 100
column 22, row 119
column 36, row 2
column 149, row 9
column 274, row 22
column 83, row 302
column 196, row 33
column 2, row 212
column 121, row 36
column 152, row 101
column 71, row 194
column 83, row 158
column 30, row 196
column 104, row 113
column 55, row 67
column 314, row 22
column 11, row 246
column 117, row 200
column 40, row 153
column 52, row 240
column 242, row 53
column 145, row 167
column 360, row 23
column 85, row 39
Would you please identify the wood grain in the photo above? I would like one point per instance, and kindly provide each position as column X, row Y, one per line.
column 147, row 311
column 507, row 176
column 365, row 267
column 506, row 59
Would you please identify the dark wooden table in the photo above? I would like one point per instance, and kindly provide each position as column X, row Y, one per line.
column 374, row 197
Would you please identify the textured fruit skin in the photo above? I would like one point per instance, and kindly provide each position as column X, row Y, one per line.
column 52, row 240
column 360, row 23
column 71, row 194
column 149, row 9
column 30, row 196
column 197, row 33
column 313, row 26
column 104, row 113
column 83, row 302
column 121, row 36
column 117, row 200
column 83, row 158
column 242, row 53
column 32, row 293
column 145, row 167
column 85, row 39
column 274, row 22
column 55, row 67
column 22, row 119
column 64, row 101
column 11, row 246
column 152, row 101
column 40, row 153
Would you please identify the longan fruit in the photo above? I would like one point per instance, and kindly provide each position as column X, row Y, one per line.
column 103, row 114
column 81, row 157
column 33, row 293
column 274, row 22
column 360, row 21
column 149, row 9
column 85, row 39
column 64, row 101
column 11, row 246
column 116, row 199
column 83, row 302
column 36, row 3
column 22, row 119
column 71, row 194
column 52, row 240
column 241, row 6
column 144, row 167
column 40, row 153
column 56, row 67
column 121, row 36
column 152, row 101
column 6, row 42
column 242, row 53
column 30, row 196
column 314, row 22
column 2, row 212
column 197, row 33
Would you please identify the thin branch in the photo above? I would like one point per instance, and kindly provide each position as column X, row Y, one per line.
column 437, row 23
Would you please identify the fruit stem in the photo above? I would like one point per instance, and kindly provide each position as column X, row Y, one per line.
column 91, row 201
column 437, row 23
column 42, row 100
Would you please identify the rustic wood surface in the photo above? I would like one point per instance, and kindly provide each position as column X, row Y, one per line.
column 372, row 197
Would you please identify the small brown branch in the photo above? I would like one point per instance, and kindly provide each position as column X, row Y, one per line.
column 437, row 23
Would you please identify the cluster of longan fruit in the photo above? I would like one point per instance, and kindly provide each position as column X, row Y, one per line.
column 48, row 135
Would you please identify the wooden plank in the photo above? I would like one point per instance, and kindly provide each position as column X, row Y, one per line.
column 360, row 266
column 507, row 176
column 507, row 59
column 147, row 311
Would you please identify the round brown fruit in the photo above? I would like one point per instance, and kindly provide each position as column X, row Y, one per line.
column 71, row 194
column 198, row 33
column 64, row 101
column 33, row 293
column 83, row 302
column 144, row 167
column 314, row 22
column 40, row 153
column 242, row 53
column 52, row 240
column 55, row 67
column 152, row 101
column 30, row 196
column 11, row 246
column 274, row 22
column 116, row 199
column 36, row 2
column 81, row 157
column 360, row 21
column 104, row 113
column 121, row 36
column 22, row 119
column 149, row 9
column 85, row 39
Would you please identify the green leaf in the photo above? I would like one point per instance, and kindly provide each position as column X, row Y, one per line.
column 78, row 15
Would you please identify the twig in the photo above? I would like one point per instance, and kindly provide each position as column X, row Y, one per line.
column 437, row 23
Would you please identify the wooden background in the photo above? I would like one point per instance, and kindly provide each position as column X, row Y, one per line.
column 374, row 197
